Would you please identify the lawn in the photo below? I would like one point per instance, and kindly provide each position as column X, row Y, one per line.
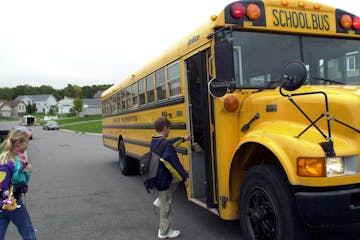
column 78, row 119
column 9, row 119
column 92, row 127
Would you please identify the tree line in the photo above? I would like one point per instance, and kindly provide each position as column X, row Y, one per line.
column 70, row 90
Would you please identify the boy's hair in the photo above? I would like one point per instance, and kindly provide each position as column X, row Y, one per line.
column 13, row 137
column 160, row 123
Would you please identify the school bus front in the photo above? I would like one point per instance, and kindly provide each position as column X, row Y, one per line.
column 283, row 153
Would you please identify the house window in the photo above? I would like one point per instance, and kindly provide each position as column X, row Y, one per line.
column 351, row 61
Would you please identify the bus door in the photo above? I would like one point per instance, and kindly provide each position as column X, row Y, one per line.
column 201, row 163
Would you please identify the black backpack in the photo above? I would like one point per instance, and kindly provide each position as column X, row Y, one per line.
column 149, row 164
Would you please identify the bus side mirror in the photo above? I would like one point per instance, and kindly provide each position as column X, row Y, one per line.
column 217, row 88
column 293, row 75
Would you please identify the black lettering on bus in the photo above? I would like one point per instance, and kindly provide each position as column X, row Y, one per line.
column 315, row 21
column 276, row 21
column 326, row 22
column 320, row 22
column 303, row 20
column 288, row 19
column 295, row 20
column 281, row 14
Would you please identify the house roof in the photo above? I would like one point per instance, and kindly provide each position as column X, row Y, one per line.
column 91, row 101
column 14, row 103
column 98, row 94
column 35, row 98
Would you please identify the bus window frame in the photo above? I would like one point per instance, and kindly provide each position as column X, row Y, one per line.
column 163, row 70
column 150, row 79
column 142, row 82
column 134, row 86
column 172, row 80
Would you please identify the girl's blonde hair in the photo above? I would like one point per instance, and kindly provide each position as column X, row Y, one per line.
column 14, row 136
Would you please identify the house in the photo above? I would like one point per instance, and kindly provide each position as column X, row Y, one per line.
column 91, row 106
column 43, row 102
column 5, row 109
column 18, row 108
column 65, row 105
column 13, row 108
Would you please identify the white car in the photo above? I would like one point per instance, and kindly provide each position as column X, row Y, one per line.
column 51, row 125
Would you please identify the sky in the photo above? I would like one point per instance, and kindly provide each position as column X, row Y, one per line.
column 93, row 42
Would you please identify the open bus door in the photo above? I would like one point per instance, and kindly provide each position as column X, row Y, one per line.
column 202, row 162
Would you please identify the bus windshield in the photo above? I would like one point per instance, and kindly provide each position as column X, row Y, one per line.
column 259, row 58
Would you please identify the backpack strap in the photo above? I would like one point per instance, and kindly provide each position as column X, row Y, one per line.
column 161, row 146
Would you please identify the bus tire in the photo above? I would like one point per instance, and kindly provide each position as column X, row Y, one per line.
column 267, row 206
column 123, row 160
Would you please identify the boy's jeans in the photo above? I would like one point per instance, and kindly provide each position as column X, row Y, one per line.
column 165, row 206
column 20, row 217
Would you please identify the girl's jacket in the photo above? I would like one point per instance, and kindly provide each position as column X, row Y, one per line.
column 169, row 165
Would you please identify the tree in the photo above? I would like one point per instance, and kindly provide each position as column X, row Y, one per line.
column 78, row 104
column 30, row 108
column 7, row 93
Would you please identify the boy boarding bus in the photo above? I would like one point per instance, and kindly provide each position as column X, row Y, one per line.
column 269, row 91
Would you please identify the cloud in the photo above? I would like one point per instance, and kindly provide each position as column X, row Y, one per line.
column 86, row 42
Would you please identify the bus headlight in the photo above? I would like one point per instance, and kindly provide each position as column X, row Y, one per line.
column 340, row 166
column 327, row 167
column 334, row 166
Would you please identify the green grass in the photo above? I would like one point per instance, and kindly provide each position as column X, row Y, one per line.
column 91, row 127
column 9, row 119
column 78, row 119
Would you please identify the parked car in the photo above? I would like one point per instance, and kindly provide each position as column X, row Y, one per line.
column 51, row 125
column 25, row 129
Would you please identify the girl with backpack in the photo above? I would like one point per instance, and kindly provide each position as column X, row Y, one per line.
column 13, row 156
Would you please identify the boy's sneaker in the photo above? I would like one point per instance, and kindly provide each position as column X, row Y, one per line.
column 157, row 202
column 171, row 234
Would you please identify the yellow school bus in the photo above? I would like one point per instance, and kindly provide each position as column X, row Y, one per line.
column 269, row 91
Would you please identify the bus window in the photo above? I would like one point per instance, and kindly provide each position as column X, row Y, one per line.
column 251, row 50
column 339, row 59
column 134, row 90
column 128, row 98
column 141, row 92
column 123, row 100
column 112, row 106
column 173, row 77
column 150, row 88
column 160, row 84
column 118, row 102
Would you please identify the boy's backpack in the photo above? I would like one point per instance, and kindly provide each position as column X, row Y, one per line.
column 149, row 164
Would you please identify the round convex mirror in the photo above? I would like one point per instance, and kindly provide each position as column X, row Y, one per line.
column 293, row 75
column 217, row 88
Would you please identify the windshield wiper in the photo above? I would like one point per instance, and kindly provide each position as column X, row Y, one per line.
column 328, row 80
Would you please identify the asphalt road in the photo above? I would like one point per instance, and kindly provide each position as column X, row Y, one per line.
column 77, row 192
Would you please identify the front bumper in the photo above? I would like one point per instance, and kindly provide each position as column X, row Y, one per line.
column 329, row 208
